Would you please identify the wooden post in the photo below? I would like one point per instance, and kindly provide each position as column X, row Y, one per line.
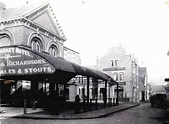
column 117, row 99
column 88, row 91
column 105, row 95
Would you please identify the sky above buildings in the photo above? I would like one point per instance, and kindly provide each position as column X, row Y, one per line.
column 94, row 26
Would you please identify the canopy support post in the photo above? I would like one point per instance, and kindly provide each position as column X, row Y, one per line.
column 105, row 95
column 88, row 91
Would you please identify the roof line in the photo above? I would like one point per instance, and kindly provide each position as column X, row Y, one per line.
column 33, row 24
column 27, row 14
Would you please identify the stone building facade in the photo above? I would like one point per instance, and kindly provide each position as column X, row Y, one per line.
column 37, row 28
column 72, row 55
column 33, row 26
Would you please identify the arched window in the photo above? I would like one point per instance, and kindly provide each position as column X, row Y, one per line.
column 5, row 40
column 53, row 51
column 36, row 44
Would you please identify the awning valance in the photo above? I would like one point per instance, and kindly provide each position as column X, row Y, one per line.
column 22, row 61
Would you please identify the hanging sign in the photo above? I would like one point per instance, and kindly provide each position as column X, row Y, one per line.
column 20, row 61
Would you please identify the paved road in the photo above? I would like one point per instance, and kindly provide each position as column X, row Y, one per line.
column 142, row 114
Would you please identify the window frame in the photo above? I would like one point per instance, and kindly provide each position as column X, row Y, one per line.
column 36, row 44
column 121, row 76
column 114, row 62
column 53, row 50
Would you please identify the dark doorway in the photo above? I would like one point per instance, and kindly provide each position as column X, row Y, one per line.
column 102, row 93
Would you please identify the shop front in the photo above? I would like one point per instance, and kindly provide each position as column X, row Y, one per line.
column 38, row 77
column 25, row 70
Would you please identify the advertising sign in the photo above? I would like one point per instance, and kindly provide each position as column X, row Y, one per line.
column 20, row 61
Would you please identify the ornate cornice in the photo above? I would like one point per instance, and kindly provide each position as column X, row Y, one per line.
column 25, row 20
column 28, row 23
column 37, row 11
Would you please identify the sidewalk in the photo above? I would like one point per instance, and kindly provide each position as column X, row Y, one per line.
column 40, row 114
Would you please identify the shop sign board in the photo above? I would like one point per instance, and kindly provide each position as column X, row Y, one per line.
column 20, row 61
column 114, row 69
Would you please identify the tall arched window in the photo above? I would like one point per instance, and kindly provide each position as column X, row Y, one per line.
column 36, row 44
column 53, row 51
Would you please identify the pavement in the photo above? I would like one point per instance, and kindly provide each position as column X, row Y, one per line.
column 39, row 113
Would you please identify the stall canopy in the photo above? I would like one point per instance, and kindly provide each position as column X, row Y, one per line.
column 22, row 62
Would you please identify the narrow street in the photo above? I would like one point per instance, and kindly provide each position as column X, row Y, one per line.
column 142, row 114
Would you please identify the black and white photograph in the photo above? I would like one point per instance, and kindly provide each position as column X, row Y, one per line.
column 84, row 61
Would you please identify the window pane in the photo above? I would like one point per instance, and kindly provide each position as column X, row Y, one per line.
column 111, row 63
column 116, row 62
column 53, row 51
column 35, row 44
column 4, row 41
column 121, row 76
column 116, row 76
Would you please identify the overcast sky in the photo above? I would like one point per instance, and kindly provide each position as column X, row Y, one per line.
column 93, row 26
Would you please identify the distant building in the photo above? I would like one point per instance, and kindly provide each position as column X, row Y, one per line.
column 123, row 68
column 72, row 56
column 144, row 89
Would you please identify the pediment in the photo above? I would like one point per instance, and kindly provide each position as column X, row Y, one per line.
column 45, row 17
column 45, row 20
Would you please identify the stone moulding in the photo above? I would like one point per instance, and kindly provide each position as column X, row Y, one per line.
column 28, row 23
